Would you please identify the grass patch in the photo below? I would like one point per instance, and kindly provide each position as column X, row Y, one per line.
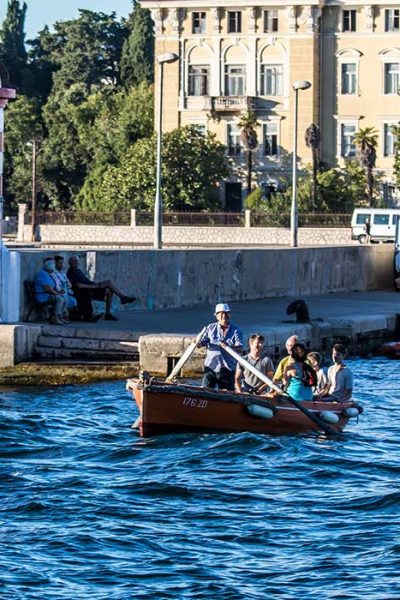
column 48, row 374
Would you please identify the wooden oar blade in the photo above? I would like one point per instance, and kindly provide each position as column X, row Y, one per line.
column 185, row 356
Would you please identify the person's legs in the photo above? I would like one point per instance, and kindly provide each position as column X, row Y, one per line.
column 226, row 380
column 209, row 378
column 84, row 299
column 110, row 285
column 59, row 303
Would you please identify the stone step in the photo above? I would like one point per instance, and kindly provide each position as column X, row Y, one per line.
column 103, row 356
column 100, row 345
column 90, row 332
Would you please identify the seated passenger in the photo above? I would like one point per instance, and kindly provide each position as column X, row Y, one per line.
column 245, row 380
column 300, row 378
column 280, row 369
column 86, row 291
column 340, row 378
column 315, row 360
column 48, row 287
column 66, row 285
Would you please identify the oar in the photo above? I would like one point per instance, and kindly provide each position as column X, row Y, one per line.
column 242, row 361
column 185, row 356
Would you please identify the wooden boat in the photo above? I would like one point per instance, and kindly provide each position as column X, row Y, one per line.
column 171, row 407
column 390, row 349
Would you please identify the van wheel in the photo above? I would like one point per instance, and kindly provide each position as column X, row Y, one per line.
column 362, row 239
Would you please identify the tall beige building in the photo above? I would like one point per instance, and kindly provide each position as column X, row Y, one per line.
column 240, row 55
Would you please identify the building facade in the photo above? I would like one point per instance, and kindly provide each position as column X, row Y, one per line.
column 245, row 55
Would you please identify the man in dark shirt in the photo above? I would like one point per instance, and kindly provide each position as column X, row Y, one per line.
column 85, row 291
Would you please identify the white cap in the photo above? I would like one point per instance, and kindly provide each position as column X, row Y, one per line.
column 222, row 307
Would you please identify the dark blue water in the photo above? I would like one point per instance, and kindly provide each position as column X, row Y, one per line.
column 90, row 510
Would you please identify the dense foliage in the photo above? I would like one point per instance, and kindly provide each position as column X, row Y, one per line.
column 338, row 191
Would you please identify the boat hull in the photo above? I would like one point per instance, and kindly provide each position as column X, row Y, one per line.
column 172, row 408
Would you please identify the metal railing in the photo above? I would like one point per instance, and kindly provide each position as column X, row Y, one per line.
column 71, row 217
column 194, row 219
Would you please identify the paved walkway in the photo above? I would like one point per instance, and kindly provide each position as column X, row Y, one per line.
column 259, row 315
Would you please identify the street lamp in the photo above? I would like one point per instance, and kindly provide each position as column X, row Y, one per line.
column 162, row 59
column 297, row 85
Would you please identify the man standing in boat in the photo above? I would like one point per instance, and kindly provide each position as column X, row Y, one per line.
column 219, row 366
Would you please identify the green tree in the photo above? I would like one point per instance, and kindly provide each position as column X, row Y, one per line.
column 396, row 165
column 193, row 165
column 313, row 138
column 339, row 190
column 137, row 61
column 248, row 135
column 24, row 124
column 41, row 67
column 256, row 201
column 110, row 123
column 366, row 141
column 87, row 50
column 12, row 43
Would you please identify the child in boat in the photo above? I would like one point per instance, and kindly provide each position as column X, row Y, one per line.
column 315, row 360
column 245, row 380
column 300, row 378
column 340, row 378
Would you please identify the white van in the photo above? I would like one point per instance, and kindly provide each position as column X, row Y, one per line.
column 382, row 220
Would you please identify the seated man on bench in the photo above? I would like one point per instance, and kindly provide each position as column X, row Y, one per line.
column 48, row 288
column 86, row 291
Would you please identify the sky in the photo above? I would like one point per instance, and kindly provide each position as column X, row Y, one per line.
column 47, row 12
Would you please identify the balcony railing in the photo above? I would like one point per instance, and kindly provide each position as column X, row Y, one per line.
column 233, row 103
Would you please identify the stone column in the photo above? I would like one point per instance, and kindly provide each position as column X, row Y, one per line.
column 133, row 217
column 21, row 221
column 247, row 218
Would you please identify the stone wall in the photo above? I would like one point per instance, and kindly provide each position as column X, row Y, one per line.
column 188, row 236
column 174, row 278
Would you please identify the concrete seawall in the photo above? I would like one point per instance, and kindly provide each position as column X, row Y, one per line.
column 178, row 278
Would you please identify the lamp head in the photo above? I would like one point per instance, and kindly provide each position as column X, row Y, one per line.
column 168, row 57
column 301, row 84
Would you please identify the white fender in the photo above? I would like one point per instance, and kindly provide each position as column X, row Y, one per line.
column 329, row 416
column 351, row 412
column 263, row 412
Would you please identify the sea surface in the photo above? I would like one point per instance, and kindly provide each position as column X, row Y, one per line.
column 88, row 509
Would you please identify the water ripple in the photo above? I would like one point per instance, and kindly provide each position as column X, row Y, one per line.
column 90, row 510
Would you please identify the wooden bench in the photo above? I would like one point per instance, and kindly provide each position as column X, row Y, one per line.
column 43, row 309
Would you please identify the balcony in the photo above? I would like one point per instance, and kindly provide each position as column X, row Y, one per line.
column 233, row 103
column 219, row 104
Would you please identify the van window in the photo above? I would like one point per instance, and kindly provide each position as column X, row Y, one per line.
column 361, row 218
column 381, row 219
column 395, row 219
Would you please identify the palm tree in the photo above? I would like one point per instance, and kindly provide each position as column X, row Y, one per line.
column 366, row 141
column 248, row 135
column 313, row 139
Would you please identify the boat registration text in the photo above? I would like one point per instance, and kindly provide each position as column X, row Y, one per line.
column 195, row 402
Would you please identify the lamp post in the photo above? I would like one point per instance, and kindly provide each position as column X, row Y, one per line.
column 162, row 59
column 297, row 85
column 34, row 192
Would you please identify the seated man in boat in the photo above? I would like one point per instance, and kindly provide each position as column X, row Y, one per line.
column 219, row 366
column 340, row 378
column 299, row 377
column 245, row 380
column 280, row 369
column 86, row 291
